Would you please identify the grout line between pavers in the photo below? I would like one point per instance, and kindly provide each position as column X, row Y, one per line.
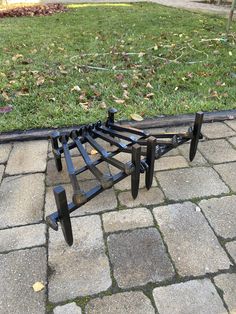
column 46, row 236
column 146, row 289
column 149, row 294
column 23, row 249
column 114, row 284
column 231, row 192
column 219, row 238
column 231, row 144
column 223, row 163
column 23, row 225
column 229, row 125
column 150, row 206
column 6, row 175
column 12, row 147
column 5, row 164
column 216, row 163
column 165, row 244
column 221, row 295
column 3, row 173
column 149, row 286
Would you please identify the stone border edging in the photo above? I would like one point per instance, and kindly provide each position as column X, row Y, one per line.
column 155, row 122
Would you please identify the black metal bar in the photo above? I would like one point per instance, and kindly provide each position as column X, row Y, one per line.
column 170, row 135
column 69, row 163
column 53, row 218
column 111, row 116
column 151, row 149
column 97, row 146
column 109, row 139
column 128, row 129
column 196, row 135
column 131, row 139
column 57, row 156
column 127, row 167
column 63, row 213
column 78, row 194
column 135, row 175
column 105, row 179
column 159, row 142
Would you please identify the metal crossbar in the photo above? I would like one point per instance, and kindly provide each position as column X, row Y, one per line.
column 143, row 147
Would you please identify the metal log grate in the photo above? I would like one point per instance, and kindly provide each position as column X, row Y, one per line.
column 144, row 148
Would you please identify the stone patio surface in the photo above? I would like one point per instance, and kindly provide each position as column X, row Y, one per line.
column 170, row 251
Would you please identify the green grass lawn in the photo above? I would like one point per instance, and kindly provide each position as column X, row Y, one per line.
column 172, row 66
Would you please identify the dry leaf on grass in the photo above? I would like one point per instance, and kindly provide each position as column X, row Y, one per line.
column 150, row 95
column 84, row 106
column 119, row 77
column 149, row 86
column 120, row 101
column 17, row 56
column 5, row 96
column 141, row 54
column 40, row 81
column 33, row 51
column 103, row 105
column 76, row 89
column 136, row 117
column 6, row 109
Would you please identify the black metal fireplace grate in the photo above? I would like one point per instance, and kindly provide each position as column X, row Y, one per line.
column 143, row 147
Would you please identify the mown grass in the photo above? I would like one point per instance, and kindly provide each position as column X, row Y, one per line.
column 49, row 51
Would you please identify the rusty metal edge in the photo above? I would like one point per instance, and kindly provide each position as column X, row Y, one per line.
column 155, row 122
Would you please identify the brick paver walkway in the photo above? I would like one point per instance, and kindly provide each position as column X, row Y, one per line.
column 172, row 250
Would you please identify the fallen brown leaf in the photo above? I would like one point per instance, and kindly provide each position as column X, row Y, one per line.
column 93, row 152
column 120, row 101
column 84, row 106
column 17, row 56
column 5, row 96
column 103, row 105
column 136, row 117
column 124, row 85
column 40, row 81
column 119, row 77
column 27, row 61
column 6, row 109
column 149, row 86
column 126, row 94
column 150, row 95
column 76, row 89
